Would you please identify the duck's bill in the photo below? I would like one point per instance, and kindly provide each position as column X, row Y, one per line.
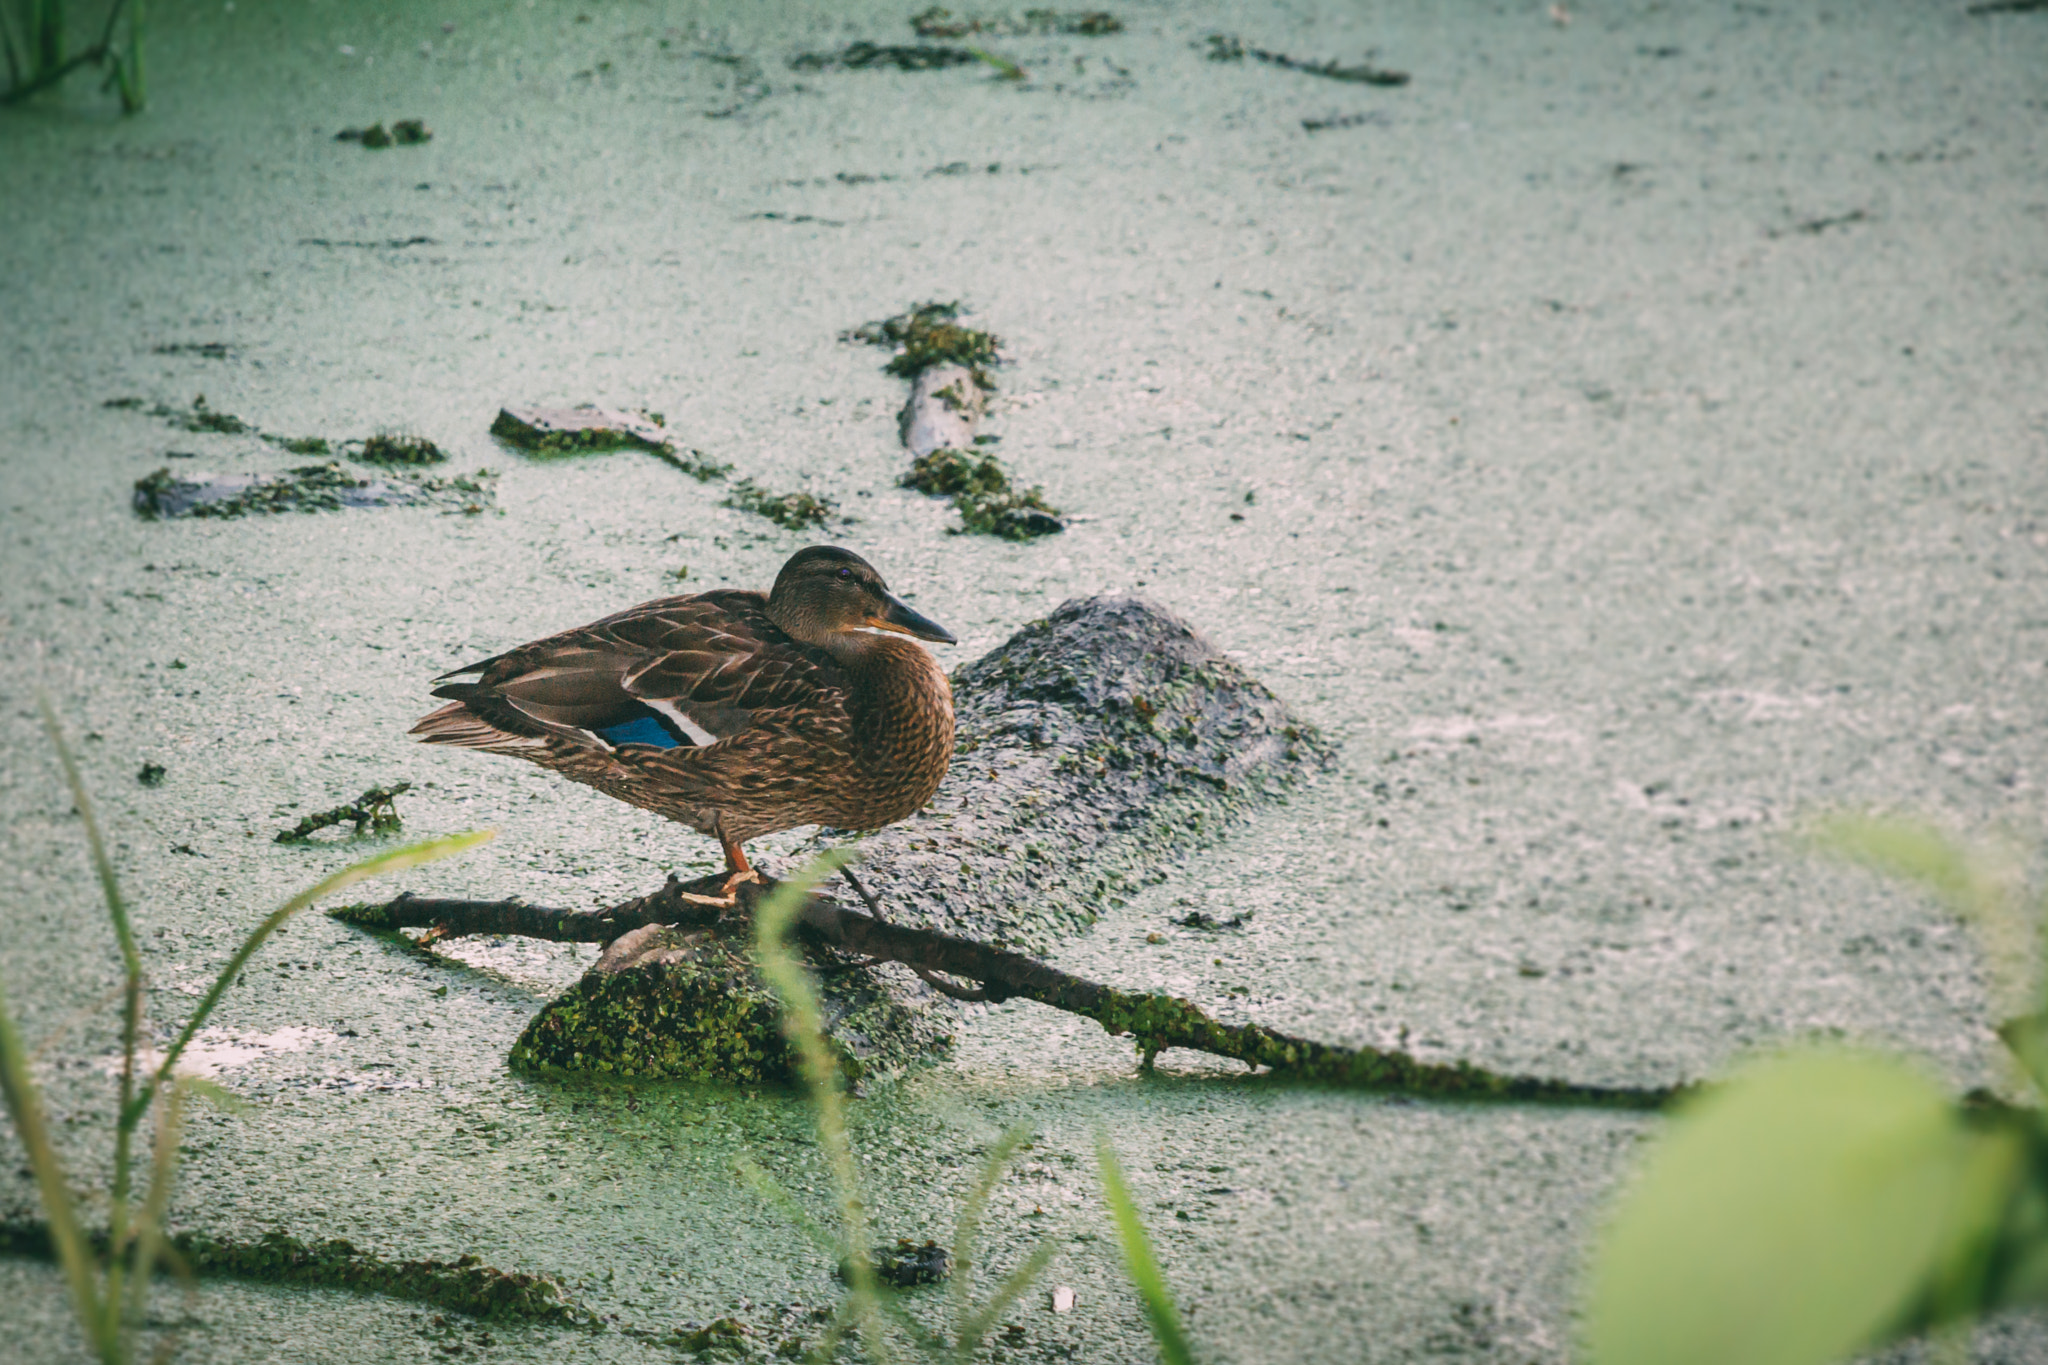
column 901, row 616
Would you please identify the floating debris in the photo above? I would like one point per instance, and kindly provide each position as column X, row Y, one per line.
column 929, row 335
column 198, row 417
column 983, row 496
column 1087, row 23
column 588, row 430
column 906, row 1264
column 795, row 218
column 1814, row 227
column 373, row 810
column 1202, row 919
column 151, row 775
column 796, row 511
column 1377, row 117
column 211, row 350
column 395, row 450
column 310, row 488
column 947, row 365
column 389, row 242
column 406, row 132
column 1224, row 48
column 300, row 445
column 945, row 406
column 874, row 56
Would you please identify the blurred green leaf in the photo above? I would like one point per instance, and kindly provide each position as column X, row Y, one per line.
column 1789, row 1217
column 1916, row 850
column 1139, row 1262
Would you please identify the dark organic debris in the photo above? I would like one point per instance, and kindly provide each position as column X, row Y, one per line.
column 463, row 1285
column 795, row 218
column 1813, row 227
column 2007, row 7
column 151, row 775
column 397, row 450
column 126, row 404
column 588, row 430
column 1324, row 125
column 1224, row 48
column 375, row 810
column 211, row 350
column 301, row 445
column 1088, row 23
column 906, row 1264
column 1202, row 919
column 866, row 56
column 982, row 494
column 406, row 132
column 928, row 335
column 392, row 243
column 198, row 417
column 309, row 488
column 796, row 511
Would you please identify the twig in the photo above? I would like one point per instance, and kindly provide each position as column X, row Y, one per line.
column 1157, row 1022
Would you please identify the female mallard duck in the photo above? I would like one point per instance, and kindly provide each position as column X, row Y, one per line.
column 734, row 713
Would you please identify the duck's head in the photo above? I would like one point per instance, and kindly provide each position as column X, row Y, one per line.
column 825, row 596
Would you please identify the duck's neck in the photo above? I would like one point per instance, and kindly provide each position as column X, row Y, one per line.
column 899, row 689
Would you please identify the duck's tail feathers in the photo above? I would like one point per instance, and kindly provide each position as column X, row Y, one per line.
column 456, row 724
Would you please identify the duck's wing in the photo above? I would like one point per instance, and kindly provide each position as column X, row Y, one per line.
column 675, row 673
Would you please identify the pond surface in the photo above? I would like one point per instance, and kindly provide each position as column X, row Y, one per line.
column 1623, row 439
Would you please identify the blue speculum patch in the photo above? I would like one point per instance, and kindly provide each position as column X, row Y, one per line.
column 646, row 729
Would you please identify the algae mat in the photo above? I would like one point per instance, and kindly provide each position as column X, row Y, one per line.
column 1619, row 439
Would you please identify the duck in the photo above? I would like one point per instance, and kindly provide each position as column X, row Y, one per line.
column 736, row 713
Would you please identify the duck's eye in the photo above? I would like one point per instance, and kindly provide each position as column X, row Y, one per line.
column 846, row 573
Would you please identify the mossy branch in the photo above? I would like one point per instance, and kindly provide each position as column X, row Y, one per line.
column 1156, row 1022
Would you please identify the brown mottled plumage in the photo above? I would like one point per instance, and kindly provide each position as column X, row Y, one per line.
column 736, row 713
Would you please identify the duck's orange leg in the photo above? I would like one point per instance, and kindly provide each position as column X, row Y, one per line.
column 737, row 868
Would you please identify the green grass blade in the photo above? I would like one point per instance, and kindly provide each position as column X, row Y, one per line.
column 24, row 1107
column 1139, row 1262
column 156, row 1204
column 1012, row 1288
column 117, row 908
column 412, row 855
column 967, row 1231
column 126, row 1111
column 803, row 1024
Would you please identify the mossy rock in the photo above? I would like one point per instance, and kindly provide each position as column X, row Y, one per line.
column 677, row 1004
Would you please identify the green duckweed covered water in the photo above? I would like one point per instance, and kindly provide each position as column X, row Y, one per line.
column 1621, row 439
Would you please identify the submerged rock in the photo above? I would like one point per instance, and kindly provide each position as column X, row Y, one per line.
column 1095, row 748
column 684, row 1004
column 309, row 488
column 944, row 407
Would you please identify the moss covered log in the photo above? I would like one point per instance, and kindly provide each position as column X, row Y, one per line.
column 463, row 1285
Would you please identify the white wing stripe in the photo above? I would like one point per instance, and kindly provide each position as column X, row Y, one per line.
column 697, row 733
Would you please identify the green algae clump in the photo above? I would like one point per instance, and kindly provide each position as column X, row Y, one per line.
column 929, row 334
column 795, row 511
column 983, row 495
column 398, row 450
